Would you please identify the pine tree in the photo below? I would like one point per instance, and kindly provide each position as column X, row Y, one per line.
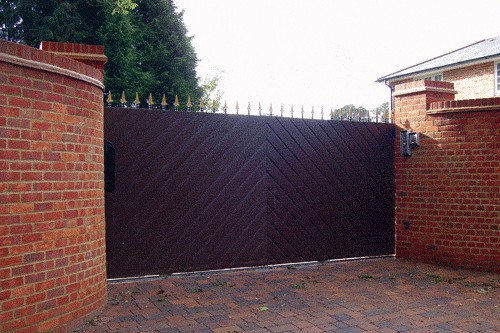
column 146, row 41
column 165, row 50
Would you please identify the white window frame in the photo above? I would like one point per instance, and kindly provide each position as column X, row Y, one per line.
column 436, row 76
column 497, row 78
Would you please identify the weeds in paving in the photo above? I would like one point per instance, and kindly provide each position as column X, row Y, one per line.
column 484, row 287
column 311, row 280
column 366, row 276
column 196, row 290
column 435, row 279
column 480, row 287
column 263, row 308
column 94, row 321
column 300, row 285
column 162, row 299
column 218, row 283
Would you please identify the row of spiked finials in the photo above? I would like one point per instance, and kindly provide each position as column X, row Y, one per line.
column 149, row 101
column 202, row 108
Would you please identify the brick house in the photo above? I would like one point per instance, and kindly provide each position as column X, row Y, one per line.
column 474, row 70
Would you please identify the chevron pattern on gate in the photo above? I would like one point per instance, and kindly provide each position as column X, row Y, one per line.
column 208, row 191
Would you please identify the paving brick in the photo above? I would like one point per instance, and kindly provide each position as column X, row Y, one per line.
column 402, row 296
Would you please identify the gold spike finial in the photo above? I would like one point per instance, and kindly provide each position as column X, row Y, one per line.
column 176, row 101
column 109, row 99
column 123, row 100
column 202, row 105
column 189, row 104
column 137, row 101
column 150, row 100
column 164, row 102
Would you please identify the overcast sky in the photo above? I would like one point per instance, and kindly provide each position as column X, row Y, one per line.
column 326, row 53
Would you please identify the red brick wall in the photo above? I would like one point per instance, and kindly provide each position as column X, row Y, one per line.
column 92, row 55
column 52, row 244
column 448, row 191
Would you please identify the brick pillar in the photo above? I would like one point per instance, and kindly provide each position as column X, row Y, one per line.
column 412, row 99
column 92, row 55
column 447, row 190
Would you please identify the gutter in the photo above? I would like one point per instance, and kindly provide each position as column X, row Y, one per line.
column 457, row 65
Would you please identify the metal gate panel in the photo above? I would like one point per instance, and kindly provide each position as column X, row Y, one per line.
column 197, row 191
column 331, row 190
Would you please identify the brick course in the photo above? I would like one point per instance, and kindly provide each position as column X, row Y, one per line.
column 447, row 192
column 52, row 243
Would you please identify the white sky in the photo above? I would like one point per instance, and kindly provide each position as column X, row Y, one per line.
column 326, row 53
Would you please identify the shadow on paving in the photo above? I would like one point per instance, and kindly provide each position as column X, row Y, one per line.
column 375, row 295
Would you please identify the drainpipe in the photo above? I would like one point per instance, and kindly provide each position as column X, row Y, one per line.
column 391, row 102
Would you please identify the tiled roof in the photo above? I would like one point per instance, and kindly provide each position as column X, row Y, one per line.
column 483, row 49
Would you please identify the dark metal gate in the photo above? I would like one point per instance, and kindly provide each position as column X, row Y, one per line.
column 198, row 191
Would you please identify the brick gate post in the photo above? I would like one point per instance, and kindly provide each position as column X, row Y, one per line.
column 447, row 191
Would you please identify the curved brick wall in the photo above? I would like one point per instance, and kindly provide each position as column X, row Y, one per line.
column 52, row 231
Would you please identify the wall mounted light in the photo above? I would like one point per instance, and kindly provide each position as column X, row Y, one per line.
column 408, row 140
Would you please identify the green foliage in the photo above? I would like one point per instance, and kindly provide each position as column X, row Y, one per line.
column 10, row 26
column 300, row 285
column 124, row 7
column 365, row 276
column 145, row 41
column 210, row 91
column 382, row 111
column 62, row 20
column 351, row 112
column 219, row 283
column 166, row 51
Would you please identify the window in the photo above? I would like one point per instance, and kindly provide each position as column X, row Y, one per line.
column 435, row 77
column 497, row 78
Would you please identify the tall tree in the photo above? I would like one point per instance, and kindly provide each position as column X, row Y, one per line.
column 10, row 20
column 165, row 50
column 123, row 72
column 62, row 20
column 382, row 112
column 352, row 112
column 145, row 40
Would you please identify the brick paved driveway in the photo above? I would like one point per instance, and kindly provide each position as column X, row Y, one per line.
column 377, row 295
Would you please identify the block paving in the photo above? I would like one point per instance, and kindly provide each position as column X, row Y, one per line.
column 374, row 295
